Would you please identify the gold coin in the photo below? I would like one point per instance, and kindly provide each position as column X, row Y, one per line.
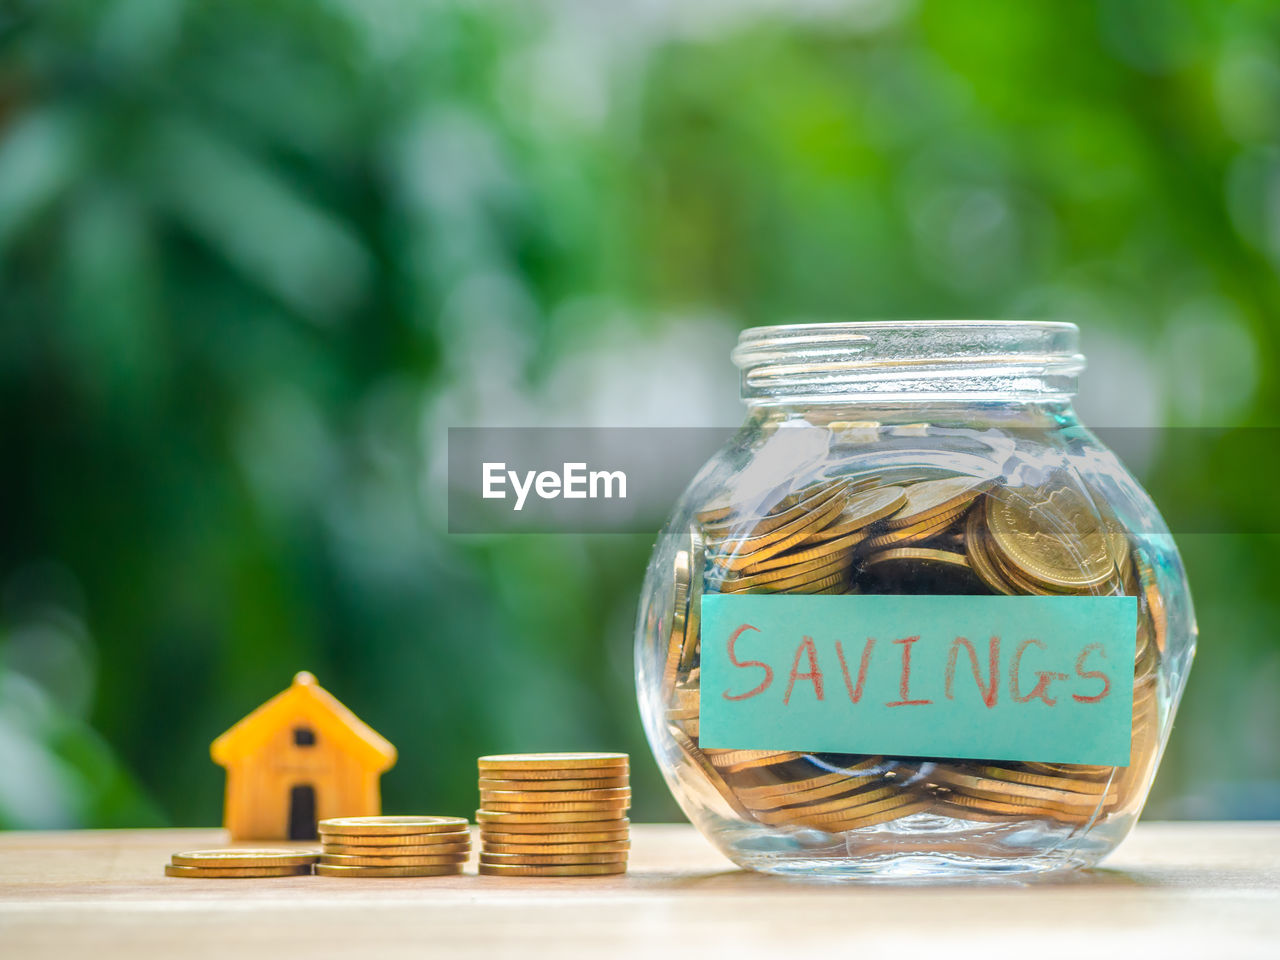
column 703, row 763
column 714, row 511
column 782, row 578
column 746, row 552
column 1072, row 770
column 681, row 578
column 605, row 807
column 912, row 534
column 336, row 870
column 554, row 796
column 832, row 796
column 828, row 549
column 945, row 808
column 422, row 850
column 577, row 829
column 682, row 581
column 395, row 839
column 860, row 511
column 842, row 785
column 748, row 524
column 553, row 783
column 800, row 816
column 1113, row 531
column 243, row 858
column 671, row 666
column 347, row 860
column 551, row 870
column 616, row 856
column 555, row 839
column 932, row 499
column 1149, row 586
column 1007, row 790
column 688, row 646
column 863, row 819
column 1051, row 536
column 1016, row 578
column 785, row 788
column 734, row 760
column 509, row 818
column 845, row 804
column 979, row 554
column 396, row 826
column 553, row 786
column 693, row 618
column 1043, row 780
column 918, row 555
column 617, row 846
column 551, row 761
column 687, row 613
column 1065, row 802
column 832, row 582
column 1005, row 811
column 836, row 572
column 609, row 773
column 596, row 813
column 836, row 583
column 742, row 581
column 686, row 698
column 863, row 815
column 235, row 873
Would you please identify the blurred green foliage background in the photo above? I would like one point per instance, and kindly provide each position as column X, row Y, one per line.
column 257, row 255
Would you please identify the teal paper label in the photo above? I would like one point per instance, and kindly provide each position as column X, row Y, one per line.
column 999, row 678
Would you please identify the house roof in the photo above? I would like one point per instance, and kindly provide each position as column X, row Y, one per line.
column 304, row 700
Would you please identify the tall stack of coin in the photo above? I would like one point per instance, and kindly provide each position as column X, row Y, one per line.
column 554, row 814
column 905, row 530
column 393, row 846
column 235, row 863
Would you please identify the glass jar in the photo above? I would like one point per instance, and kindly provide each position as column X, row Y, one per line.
column 886, row 632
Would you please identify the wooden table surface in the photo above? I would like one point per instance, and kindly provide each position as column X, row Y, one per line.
column 1172, row 890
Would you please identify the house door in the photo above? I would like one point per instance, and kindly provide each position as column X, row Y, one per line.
column 302, row 812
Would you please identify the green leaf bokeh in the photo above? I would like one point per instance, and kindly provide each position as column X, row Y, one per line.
column 256, row 257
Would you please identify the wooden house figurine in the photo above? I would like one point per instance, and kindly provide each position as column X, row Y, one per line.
column 300, row 757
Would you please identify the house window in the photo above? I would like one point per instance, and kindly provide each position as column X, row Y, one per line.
column 304, row 737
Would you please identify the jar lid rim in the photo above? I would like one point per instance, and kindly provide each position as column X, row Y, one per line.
column 909, row 357
column 857, row 326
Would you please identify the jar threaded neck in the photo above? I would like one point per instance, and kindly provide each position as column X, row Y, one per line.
column 887, row 361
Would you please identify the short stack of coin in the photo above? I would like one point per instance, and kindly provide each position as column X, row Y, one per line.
column 554, row 814
column 393, row 846
column 233, row 863
column 906, row 530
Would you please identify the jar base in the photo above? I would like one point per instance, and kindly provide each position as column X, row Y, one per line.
column 911, row 868
column 924, row 848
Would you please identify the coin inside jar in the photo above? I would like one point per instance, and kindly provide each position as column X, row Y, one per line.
column 898, row 533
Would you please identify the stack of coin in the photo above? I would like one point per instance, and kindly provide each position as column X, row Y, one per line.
column 393, row 846
column 234, row 863
column 554, row 814
column 802, row 544
column 907, row 531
